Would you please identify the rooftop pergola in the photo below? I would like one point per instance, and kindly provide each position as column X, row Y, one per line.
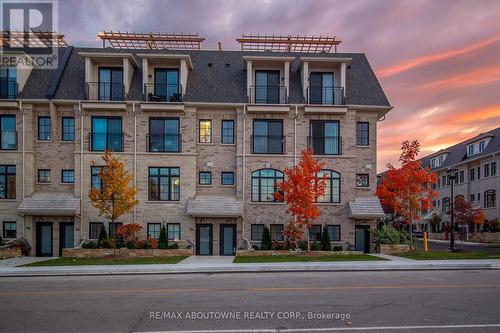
column 36, row 39
column 155, row 41
column 281, row 43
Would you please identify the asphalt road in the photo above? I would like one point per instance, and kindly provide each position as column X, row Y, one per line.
column 428, row 301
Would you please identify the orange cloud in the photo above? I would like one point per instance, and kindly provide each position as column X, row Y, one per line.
column 409, row 64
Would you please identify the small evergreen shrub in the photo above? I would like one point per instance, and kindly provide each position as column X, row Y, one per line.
column 163, row 242
column 315, row 246
column 325, row 240
column 102, row 236
column 266, row 239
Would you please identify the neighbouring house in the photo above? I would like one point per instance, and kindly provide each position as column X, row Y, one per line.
column 473, row 165
column 206, row 134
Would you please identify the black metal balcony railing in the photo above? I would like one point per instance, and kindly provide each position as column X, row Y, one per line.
column 268, row 95
column 268, row 144
column 8, row 140
column 164, row 143
column 104, row 91
column 8, row 88
column 325, row 95
column 325, row 145
column 106, row 141
column 166, row 93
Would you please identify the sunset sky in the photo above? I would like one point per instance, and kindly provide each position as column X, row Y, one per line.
column 438, row 61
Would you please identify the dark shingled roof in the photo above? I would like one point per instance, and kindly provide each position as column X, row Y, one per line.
column 218, row 83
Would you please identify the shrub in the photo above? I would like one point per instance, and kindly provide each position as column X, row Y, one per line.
column 265, row 243
column 256, row 247
column 151, row 243
column 174, row 246
column 325, row 240
column 337, row 248
column 390, row 235
column 133, row 244
column 278, row 246
column 90, row 245
column 303, row 245
column 315, row 246
column 108, row 244
column 102, row 236
column 128, row 231
column 163, row 242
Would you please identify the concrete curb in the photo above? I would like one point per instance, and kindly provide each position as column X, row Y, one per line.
column 476, row 264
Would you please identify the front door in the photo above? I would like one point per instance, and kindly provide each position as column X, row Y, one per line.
column 204, row 239
column 66, row 236
column 44, row 239
column 227, row 239
column 362, row 238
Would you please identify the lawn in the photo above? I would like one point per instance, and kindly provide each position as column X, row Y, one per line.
column 293, row 258
column 106, row 261
column 439, row 255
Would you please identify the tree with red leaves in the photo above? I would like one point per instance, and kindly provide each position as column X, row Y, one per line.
column 467, row 214
column 408, row 189
column 300, row 190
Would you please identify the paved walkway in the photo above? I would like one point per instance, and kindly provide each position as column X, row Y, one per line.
column 19, row 261
column 389, row 257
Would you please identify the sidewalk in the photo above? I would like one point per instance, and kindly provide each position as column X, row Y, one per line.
column 206, row 265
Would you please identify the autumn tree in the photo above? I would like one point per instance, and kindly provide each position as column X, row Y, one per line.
column 467, row 214
column 115, row 197
column 300, row 190
column 408, row 189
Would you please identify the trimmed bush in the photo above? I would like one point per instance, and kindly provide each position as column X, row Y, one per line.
column 90, row 245
column 337, row 248
column 174, row 246
column 103, row 236
column 325, row 240
column 393, row 236
column 315, row 246
column 266, row 239
column 163, row 242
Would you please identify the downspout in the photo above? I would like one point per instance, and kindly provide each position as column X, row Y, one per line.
column 247, row 242
column 23, row 161
column 295, row 136
column 135, row 159
column 81, row 167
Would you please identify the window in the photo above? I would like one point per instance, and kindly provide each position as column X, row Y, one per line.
column 95, row 177
column 479, row 197
column 256, row 231
column 205, row 178
column 471, row 174
column 267, row 88
column 227, row 178
column 486, row 170
column 489, row 199
column 462, row 176
column 227, row 132
column 470, row 150
column 7, row 181
column 482, row 144
column 332, row 190
column 44, row 128
column 164, row 184
column 205, row 131
column 154, row 230
column 334, row 232
column 276, row 231
column 164, row 135
column 478, row 173
column 43, row 175
column 321, row 89
column 362, row 133
column 494, row 168
column 439, row 182
column 267, row 137
column 167, row 87
column 113, row 227
column 362, row 180
column 8, row 83
column 324, row 137
column 472, row 197
column 315, row 232
column 107, row 134
column 455, row 176
column 68, row 176
column 440, row 160
column 95, row 229
column 174, row 231
column 264, row 184
column 8, row 132
column 111, row 84
column 68, row 129
column 446, row 205
column 9, row 229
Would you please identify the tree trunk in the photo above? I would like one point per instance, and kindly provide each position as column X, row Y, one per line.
column 308, row 240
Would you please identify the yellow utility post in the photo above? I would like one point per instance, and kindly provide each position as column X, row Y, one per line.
column 426, row 245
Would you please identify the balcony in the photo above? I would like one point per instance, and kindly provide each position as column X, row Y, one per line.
column 104, row 91
column 163, row 93
column 268, row 95
column 106, row 141
column 8, row 140
column 268, row 144
column 8, row 88
column 325, row 145
column 163, row 143
column 320, row 95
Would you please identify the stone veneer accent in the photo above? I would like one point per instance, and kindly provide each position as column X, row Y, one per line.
column 125, row 253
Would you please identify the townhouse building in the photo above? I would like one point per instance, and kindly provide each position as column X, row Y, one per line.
column 206, row 135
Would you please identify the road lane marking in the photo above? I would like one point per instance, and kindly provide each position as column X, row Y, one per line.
column 333, row 329
column 256, row 289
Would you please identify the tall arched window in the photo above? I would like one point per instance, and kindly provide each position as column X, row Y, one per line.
column 264, row 184
column 332, row 191
column 490, row 197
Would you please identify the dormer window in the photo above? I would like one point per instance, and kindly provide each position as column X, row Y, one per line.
column 470, row 150
column 437, row 161
column 482, row 144
column 8, row 83
column 110, row 84
column 166, row 86
column 321, row 88
column 267, row 89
